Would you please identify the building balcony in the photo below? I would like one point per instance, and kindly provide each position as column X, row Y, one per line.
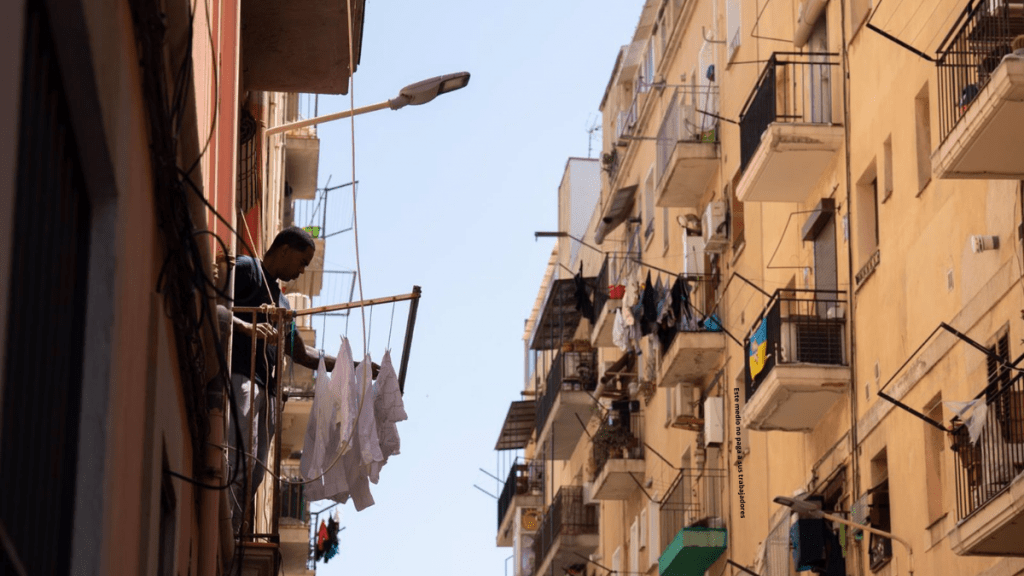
column 300, row 46
column 302, row 162
column 260, row 558
column 787, row 136
column 797, row 366
column 698, row 346
column 693, row 531
column 523, row 489
column 569, row 529
column 688, row 149
column 981, row 95
column 990, row 476
column 566, row 403
column 294, row 530
column 618, row 455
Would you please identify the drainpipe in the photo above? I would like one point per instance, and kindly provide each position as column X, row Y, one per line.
column 212, row 517
column 851, row 298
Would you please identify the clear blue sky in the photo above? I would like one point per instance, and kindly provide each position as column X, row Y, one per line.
column 450, row 195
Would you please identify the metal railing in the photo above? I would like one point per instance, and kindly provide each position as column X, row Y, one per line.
column 617, row 438
column 625, row 121
column 696, row 498
column 797, row 326
column 971, row 53
column 294, row 507
column 687, row 122
column 988, row 466
column 518, row 482
column 567, row 516
column 793, row 87
column 569, row 371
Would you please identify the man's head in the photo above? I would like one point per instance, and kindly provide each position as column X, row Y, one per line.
column 292, row 250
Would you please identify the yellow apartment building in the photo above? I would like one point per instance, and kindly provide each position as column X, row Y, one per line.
column 798, row 294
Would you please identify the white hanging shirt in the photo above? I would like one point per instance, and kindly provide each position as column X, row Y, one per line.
column 389, row 409
column 330, row 421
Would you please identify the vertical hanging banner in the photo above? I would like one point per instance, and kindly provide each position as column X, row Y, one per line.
column 758, row 348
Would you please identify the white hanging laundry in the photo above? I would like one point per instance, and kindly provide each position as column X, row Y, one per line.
column 365, row 452
column 619, row 337
column 369, row 442
column 389, row 409
column 976, row 421
column 330, row 422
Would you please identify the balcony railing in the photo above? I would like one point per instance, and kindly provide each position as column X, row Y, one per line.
column 988, row 466
column 696, row 499
column 793, row 88
column 569, row 371
column 971, row 53
column 617, row 437
column 519, row 482
column 625, row 122
column 294, row 508
column 567, row 516
column 797, row 326
column 686, row 120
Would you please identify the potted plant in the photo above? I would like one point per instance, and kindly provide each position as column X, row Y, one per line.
column 611, row 441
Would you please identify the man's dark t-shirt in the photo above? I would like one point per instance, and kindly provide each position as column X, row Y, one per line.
column 250, row 291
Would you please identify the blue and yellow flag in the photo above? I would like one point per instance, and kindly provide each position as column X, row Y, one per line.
column 758, row 348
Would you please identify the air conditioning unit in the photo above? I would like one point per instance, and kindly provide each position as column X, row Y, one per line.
column 693, row 254
column 688, row 129
column 682, row 407
column 713, row 426
column 714, row 228
column 523, row 541
column 530, row 519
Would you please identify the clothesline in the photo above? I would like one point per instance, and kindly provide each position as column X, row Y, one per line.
column 414, row 296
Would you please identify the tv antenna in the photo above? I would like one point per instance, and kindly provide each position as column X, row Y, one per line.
column 595, row 126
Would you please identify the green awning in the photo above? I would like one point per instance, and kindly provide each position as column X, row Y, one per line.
column 693, row 551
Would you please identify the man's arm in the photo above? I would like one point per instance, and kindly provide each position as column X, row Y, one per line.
column 306, row 355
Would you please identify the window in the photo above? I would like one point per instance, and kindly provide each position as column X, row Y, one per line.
column 664, row 231
column 866, row 222
column 634, row 548
column 648, row 215
column 733, row 25
column 654, row 533
column 922, row 122
column 887, row 153
column 617, row 561
column 643, row 529
column 879, row 547
column 645, row 76
column 736, row 226
column 934, row 456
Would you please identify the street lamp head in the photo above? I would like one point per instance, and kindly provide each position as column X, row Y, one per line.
column 426, row 90
column 800, row 506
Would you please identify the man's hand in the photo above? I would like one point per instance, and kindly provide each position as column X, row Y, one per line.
column 263, row 330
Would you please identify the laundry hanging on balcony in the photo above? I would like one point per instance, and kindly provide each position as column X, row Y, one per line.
column 388, row 409
column 978, row 409
column 342, row 448
column 583, row 302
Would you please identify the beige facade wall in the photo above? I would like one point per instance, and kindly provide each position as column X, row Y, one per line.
column 895, row 291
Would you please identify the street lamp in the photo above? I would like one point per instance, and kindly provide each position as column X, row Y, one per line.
column 412, row 95
column 813, row 509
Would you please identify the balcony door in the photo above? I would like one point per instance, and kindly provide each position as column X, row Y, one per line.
column 820, row 75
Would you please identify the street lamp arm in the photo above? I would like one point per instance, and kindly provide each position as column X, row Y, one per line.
column 327, row 118
column 881, row 533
